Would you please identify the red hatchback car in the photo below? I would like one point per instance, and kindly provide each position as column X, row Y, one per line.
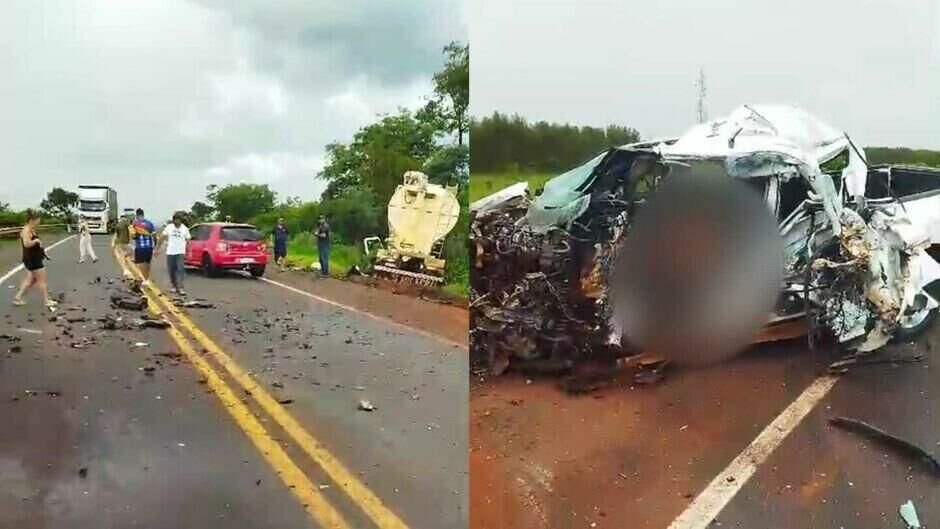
column 218, row 246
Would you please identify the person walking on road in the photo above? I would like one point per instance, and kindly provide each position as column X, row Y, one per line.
column 323, row 246
column 176, row 234
column 123, row 232
column 84, row 242
column 33, row 257
column 280, row 234
column 145, row 239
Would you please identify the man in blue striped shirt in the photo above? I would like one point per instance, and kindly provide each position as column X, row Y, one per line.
column 145, row 240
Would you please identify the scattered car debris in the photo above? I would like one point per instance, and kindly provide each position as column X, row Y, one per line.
column 127, row 302
column 195, row 304
column 83, row 472
column 365, row 405
column 909, row 514
column 141, row 344
column 9, row 337
column 900, row 445
column 151, row 322
column 285, row 401
column 29, row 331
column 856, row 262
column 841, row 366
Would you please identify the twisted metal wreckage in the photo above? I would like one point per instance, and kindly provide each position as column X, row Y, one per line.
column 857, row 239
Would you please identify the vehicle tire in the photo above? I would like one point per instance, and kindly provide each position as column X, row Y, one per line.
column 207, row 267
column 912, row 325
column 256, row 271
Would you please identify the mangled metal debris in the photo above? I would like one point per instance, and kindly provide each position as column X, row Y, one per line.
column 857, row 239
column 902, row 446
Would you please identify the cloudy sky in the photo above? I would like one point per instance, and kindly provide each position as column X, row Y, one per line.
column 159, row 98
column 869, row 67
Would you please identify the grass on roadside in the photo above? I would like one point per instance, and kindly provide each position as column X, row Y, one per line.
column 484, row 184
column 302, row 252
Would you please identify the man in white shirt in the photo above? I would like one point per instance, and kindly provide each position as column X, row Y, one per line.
column 176, row 234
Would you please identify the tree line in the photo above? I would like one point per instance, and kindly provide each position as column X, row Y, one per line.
column 510, row 144
column 504, row 143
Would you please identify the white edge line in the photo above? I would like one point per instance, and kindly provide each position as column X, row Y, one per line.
column 376, row 317
column 19, row 267
column 709, row 503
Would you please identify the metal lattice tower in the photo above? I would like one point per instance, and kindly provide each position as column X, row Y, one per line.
column 702, row 115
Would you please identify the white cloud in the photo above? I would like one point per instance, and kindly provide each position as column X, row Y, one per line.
column 290, row 174
column 361, row 101
column 156, row 98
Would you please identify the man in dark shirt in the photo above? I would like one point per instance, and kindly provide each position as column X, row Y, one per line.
column 281, row 234
column 323, row 246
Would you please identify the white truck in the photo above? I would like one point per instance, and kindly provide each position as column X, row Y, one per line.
column 98, row 206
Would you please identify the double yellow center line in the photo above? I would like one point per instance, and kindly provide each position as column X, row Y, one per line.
column 297, row 482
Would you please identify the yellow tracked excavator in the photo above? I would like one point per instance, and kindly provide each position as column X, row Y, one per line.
column 420, row 215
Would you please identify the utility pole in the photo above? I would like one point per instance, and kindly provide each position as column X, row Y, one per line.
column 702, row 115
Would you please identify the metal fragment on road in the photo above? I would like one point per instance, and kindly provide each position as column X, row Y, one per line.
column 900, row 445
column 909, row 514
column 365, row 405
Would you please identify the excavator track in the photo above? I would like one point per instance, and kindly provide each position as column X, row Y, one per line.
column 405, row 276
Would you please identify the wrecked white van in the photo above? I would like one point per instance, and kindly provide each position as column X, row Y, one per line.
column 859, row 241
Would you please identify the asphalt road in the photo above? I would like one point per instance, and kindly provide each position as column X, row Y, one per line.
column 242, row 415
column 669, row 454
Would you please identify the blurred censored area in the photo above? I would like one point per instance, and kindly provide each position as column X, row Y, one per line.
column 699, row 271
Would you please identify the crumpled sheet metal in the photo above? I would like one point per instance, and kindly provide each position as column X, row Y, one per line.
column 890, row 266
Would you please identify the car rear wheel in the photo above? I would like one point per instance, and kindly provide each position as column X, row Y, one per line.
column 208, row 267
column 256, row 271
column 912, row 324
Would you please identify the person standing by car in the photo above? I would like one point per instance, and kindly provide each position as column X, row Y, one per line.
column 33, row 257
column 323, row 246
column 145, row 239
column 280, row 235
column 84, row 242
column 176, row 234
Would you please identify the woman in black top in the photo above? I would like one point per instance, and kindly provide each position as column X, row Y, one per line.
column 33, row 256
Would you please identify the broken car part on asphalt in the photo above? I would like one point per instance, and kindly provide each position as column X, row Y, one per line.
column 857, row 240
column 876, row 434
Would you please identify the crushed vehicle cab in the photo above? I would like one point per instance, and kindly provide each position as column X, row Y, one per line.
column 858, row 240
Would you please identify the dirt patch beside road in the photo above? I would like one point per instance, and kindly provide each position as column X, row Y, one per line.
column 450, row 322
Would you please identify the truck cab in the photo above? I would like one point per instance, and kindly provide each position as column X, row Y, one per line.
column 97, row 205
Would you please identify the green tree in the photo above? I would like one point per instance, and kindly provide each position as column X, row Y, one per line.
column 200, row 212
column 449, row 165
column 59, row 203
column 450, row 102
column 503, row 143
column 379, row 155
column 354, row 215
column 241, row 201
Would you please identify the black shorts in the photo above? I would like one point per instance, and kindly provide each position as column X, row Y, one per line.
column 33, row 264
column 280, row 253
column 143, row 255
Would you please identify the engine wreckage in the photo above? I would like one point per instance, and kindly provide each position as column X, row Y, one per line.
column 857, row 240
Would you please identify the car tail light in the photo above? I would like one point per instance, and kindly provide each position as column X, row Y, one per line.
column 222, row 247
